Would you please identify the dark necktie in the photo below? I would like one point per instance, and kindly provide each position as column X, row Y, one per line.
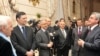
column 79, row 32
column 47, row 34
column 89, row 30
column 24, row 32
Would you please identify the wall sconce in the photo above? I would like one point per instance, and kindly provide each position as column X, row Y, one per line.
column 74, row 18
column 34, row 2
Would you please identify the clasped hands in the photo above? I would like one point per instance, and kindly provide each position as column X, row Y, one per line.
column 81, row 42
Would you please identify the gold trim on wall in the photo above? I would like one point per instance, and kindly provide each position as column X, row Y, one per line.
column 34, row 2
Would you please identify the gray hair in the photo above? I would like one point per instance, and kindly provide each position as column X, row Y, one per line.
column 97, row 14
column 4, row 20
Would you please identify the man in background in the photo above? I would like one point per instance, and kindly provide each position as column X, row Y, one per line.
column 43, row 40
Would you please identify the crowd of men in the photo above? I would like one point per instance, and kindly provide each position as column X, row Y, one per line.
column 23, row 40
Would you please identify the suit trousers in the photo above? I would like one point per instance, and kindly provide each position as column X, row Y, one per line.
column 63, row 51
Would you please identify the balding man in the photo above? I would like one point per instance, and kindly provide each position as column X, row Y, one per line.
column 50, row 28
column 6, row 47
column 91, row 45
column 43, row 40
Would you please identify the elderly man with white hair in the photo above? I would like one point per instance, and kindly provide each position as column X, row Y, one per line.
column 91, row 45
column 6, row 47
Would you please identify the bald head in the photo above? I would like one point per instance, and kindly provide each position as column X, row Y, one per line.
column 48, row 21
column 43, row 24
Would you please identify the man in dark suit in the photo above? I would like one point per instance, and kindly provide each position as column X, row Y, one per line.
column 77, row 33
column 23, row 37
column 43, row 41
column 6, row 47
column 63, row 37
column 91, row 45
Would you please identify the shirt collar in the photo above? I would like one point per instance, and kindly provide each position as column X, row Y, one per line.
column 20, row 26
column 62, row 29
column 43, row 30
column 80, row 28
column 94, row 26
column 5, row 37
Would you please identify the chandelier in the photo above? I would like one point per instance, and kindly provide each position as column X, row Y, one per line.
column 34, row 2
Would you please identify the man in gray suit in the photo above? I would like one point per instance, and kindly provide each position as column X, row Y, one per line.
column 91, row 45
column 77, row 33
column 43, row 41
column 22, row 36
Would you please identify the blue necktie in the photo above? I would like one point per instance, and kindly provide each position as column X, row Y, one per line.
column 24, row 32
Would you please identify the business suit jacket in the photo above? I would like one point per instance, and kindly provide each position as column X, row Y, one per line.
column 63, row 44
column 76, row 37
column 92, row 43
column 42, row 40
column 5, row 48
column 21, row 44
column 61, row 40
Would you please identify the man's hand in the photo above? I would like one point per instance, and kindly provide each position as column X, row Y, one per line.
column 50, row 44
column 81, row 42
column 29, row 53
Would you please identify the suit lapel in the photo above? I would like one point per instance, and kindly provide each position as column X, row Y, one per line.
column 83, row 30
column 66, row 33
column 44, row 35
column 76, row 33
column 20, row 33
column 61, row 34
column 91, row 34
column 76, row 30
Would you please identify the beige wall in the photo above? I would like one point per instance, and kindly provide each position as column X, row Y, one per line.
column 43, row 8
column 96, row 5
column 46, row 8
